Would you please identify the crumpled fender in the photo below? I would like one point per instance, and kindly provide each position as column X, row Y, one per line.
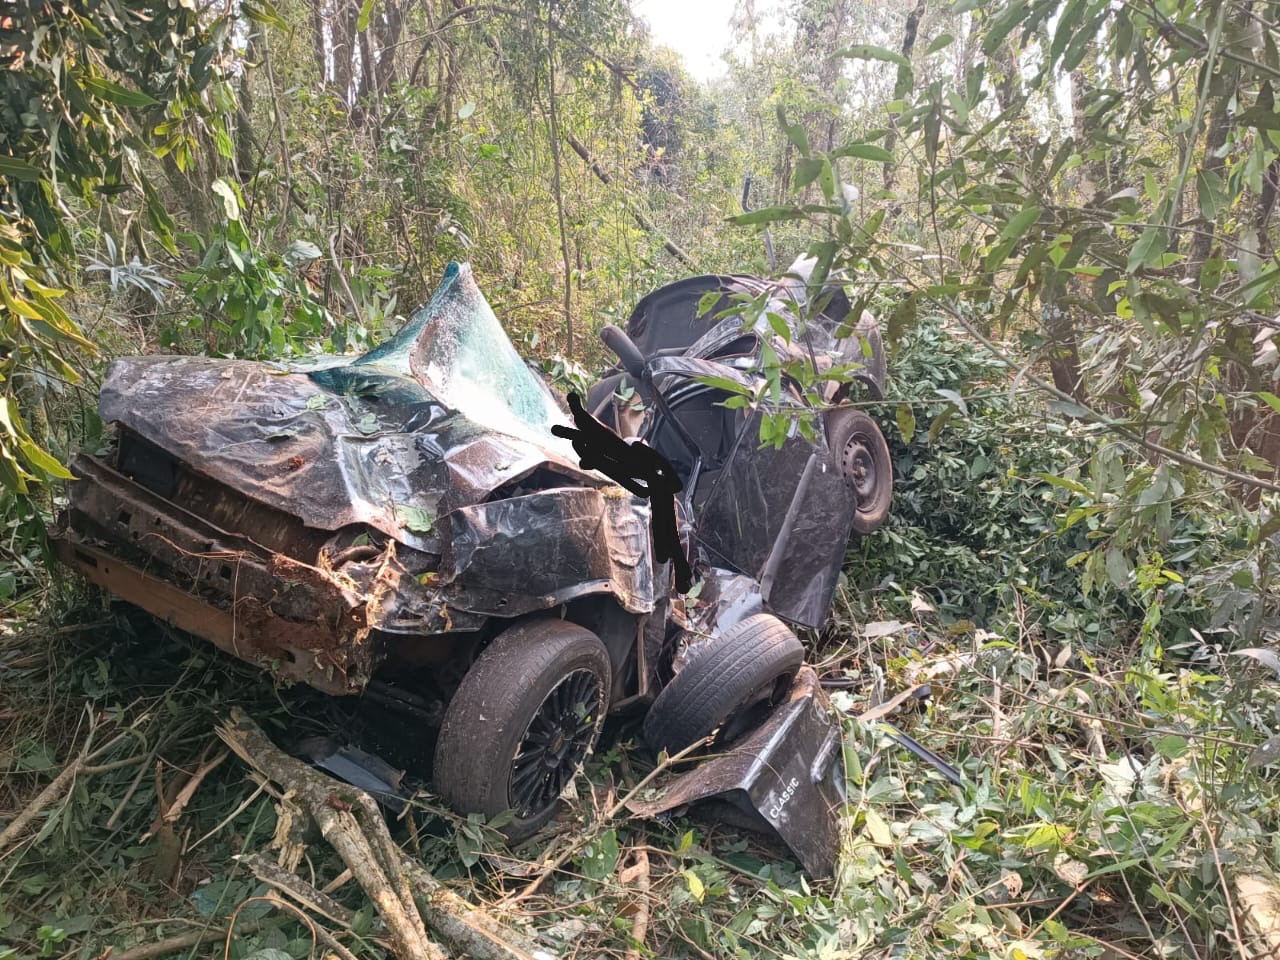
column 790, row 770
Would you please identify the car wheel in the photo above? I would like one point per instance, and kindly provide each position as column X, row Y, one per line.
column 728, row 682
column 524, row 718
column 862, row 454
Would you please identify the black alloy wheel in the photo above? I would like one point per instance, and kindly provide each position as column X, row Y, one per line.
column 523, row 720
column 555, row 743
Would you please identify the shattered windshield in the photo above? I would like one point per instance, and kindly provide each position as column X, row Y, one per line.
column 456, row 347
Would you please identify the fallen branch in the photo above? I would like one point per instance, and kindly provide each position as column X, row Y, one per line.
column 161, row 948
column 295, row 887
column 394, row 882
column 638, row 873
column 57, row 787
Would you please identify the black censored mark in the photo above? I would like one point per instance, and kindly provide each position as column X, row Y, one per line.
column 642, row 470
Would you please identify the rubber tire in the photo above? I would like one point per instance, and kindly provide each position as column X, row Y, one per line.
column 495, row 703
column 845, row 424
column 721, row 677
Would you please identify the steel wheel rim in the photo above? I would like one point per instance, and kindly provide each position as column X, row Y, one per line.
column 858, row 465
column 555, row 742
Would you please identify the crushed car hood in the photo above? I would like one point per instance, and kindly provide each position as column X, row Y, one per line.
column 436, row 419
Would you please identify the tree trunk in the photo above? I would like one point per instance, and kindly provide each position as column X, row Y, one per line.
column 245, row 162
column 908, row 44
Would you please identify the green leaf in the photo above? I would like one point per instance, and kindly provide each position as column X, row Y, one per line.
column 768, row 215
column 707, row 301
column 230, row 202
column 263, row 11
column 18, row 169
column 940, row 421
column 724, row 383
column 939, row 42
column 366, row 9
column 864, row 151
column 866, row 51
column 1148, row 249
column 114, row 93
column 1018, row 225
column 880, row 833
column 827, row 180
column 794, row 131
column 1261, row 117
column 1004, row 24
column 807, row 171
column 1270, row 399
column 415, row 519
column 906, row 419
column 41, row 460
column 1118, row 569
column 1064, row 482
column 467, row 110
column 1209, row 190
column 696, row 886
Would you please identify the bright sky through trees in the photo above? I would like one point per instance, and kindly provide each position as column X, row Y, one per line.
column 698, row 30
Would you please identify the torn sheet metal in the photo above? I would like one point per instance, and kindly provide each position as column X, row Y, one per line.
column 790, row 771
column 436, row 419
column 546, row 548
column 297, row 620
column 439, row 441
column 298, row 517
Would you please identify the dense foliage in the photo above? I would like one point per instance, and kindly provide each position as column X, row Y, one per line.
column 1063, row 214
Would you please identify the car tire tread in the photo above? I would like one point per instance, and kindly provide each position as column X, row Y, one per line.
column 721, row 672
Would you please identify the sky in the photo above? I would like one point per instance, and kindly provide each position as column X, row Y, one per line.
column 698, row 30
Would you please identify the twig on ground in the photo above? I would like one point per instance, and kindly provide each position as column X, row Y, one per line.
column 118, row 812
column 56, row 788
column 244, row 805
column 161, row 948
column 638, row 874
column 588, row 835
column 290, row 883
column 343, row 878
column 377, row 865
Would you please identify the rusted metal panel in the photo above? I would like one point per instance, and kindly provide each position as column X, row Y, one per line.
column 334, row 656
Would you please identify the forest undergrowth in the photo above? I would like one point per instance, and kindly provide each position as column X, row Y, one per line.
column 1112, row 803
column 1063, row 215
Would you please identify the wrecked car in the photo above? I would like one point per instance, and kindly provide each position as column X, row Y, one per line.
column 406, row 526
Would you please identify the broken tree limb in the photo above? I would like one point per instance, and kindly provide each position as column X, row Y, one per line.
column 56, row 788
column 463, row 927
column 640, row 217
column 318, row 796
column 161, row 948
column 294, row 886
